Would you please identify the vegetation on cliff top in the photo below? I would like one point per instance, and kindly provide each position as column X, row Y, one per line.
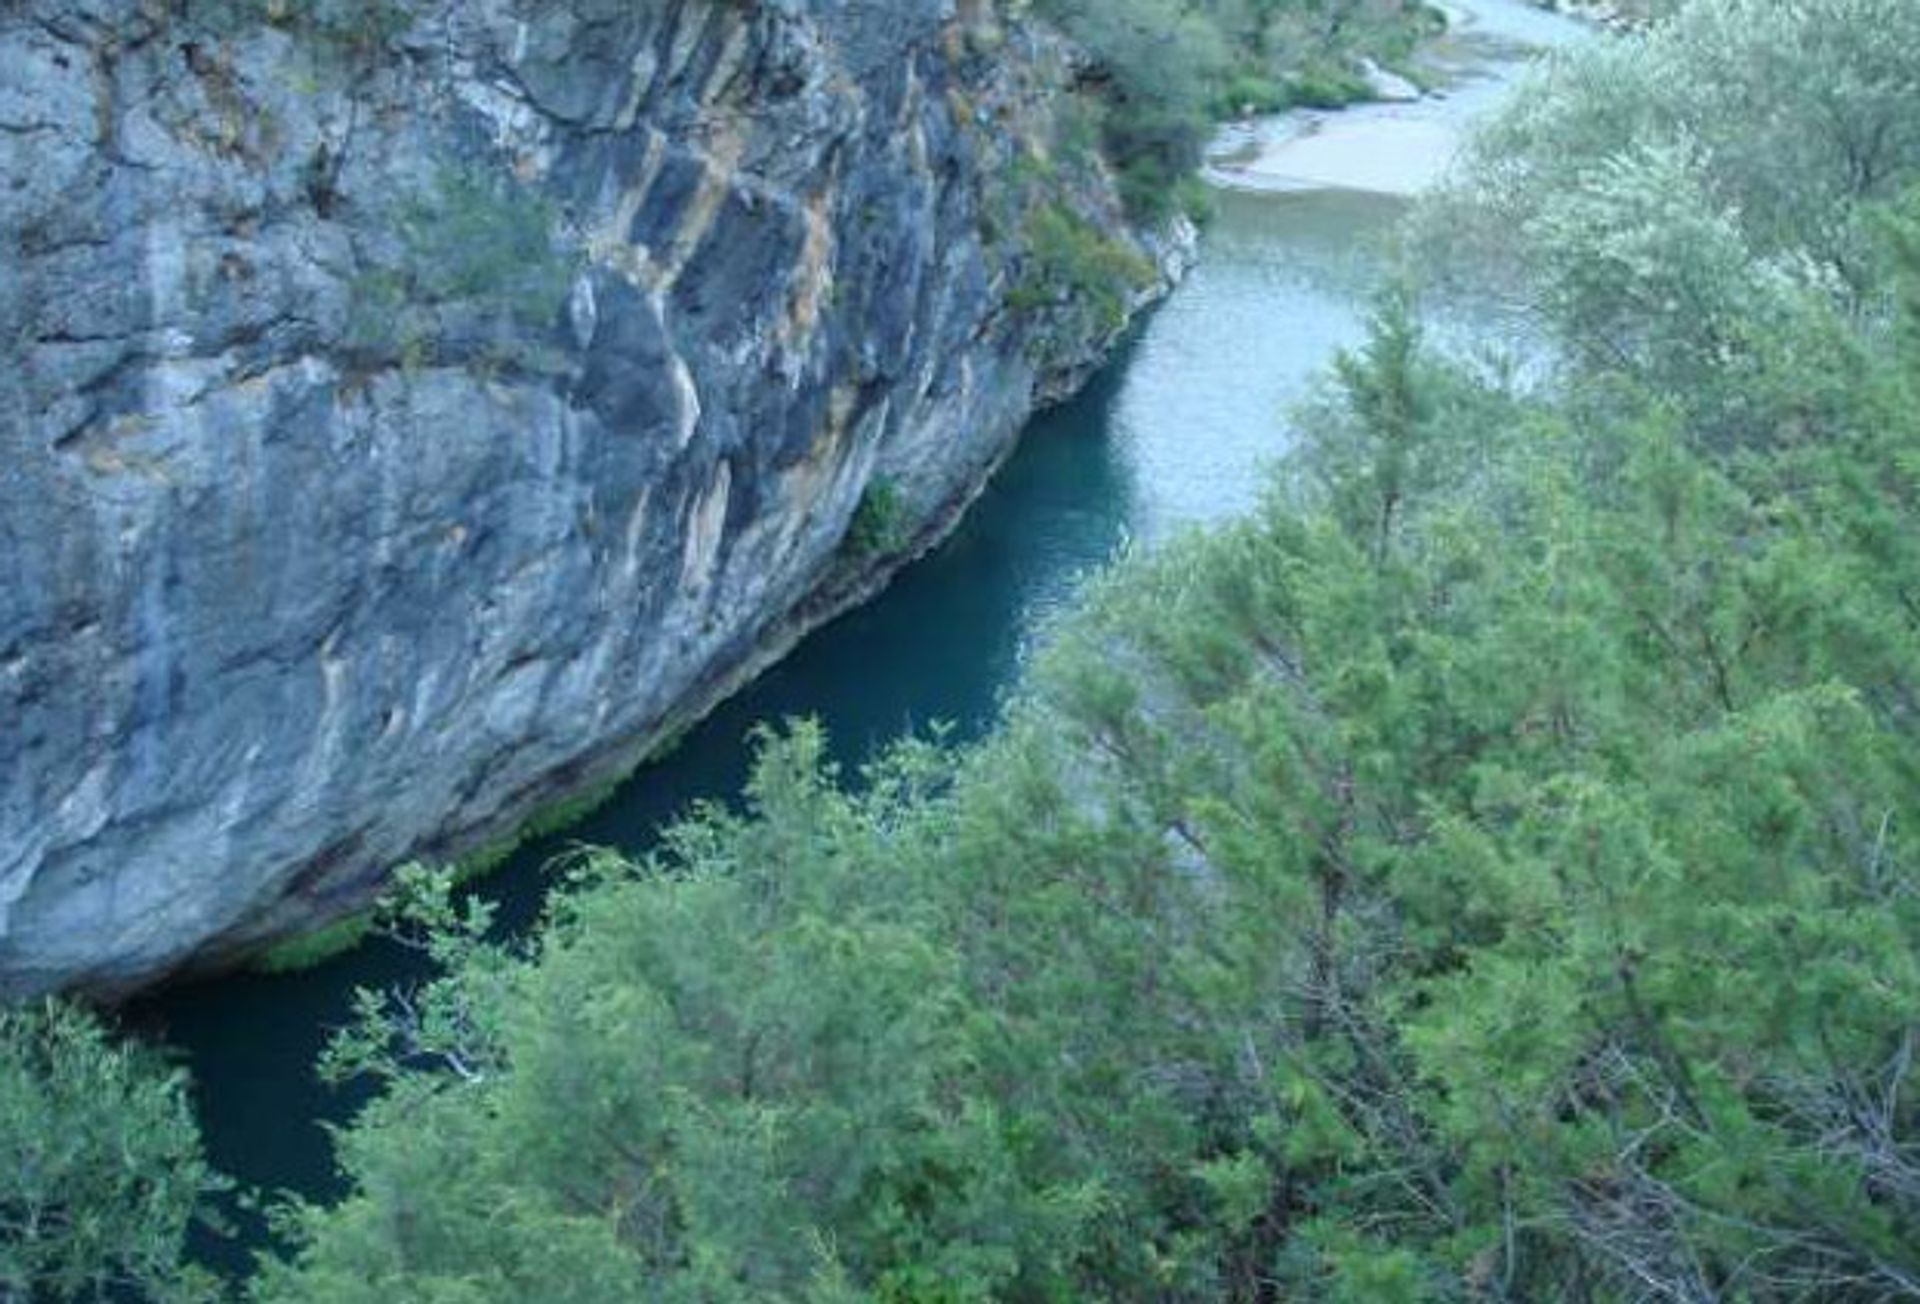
column 1155, row 77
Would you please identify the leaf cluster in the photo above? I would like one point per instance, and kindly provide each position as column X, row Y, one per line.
column 103, row 1172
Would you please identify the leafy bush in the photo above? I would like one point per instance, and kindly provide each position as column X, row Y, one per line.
column 1168, row 68
column 472, row 248
column 1251, row 94
column 880, row 526
column 1326, row 86
column 1077, row 278
column 1490, row 864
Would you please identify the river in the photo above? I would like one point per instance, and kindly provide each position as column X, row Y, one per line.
column 1172, row 434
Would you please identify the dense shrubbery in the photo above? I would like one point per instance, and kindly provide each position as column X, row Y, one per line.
column 1078, row 274
column 1662, row 203
column 880, row 526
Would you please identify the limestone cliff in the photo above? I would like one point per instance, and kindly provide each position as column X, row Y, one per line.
column 411, row 408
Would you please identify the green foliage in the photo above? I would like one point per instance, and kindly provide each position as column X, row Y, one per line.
column 881, row 524
column 473, row 236
column 1249, row 94
column 102, row 1163
column 555, row 817
column 1485, row 874
column 472, row 269
column 1153, row 148
column 1668, row 203
column 1324, row 85
column 312, row 949
column 1081, row 280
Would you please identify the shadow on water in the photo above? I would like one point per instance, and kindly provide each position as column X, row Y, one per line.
column 943, row 644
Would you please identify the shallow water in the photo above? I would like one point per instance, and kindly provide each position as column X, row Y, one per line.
column 1395, row 149
column 1172, row 434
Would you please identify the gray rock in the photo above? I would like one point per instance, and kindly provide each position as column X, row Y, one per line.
column 399, row 433
column 1386, row 86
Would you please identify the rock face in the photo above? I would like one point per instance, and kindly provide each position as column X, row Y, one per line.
column 414, row 407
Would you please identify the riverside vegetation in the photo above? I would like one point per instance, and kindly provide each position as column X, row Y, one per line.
column 1487, row 873
column 1155, row 77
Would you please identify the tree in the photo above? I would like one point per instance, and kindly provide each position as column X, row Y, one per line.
column 1651, row 200
column 104, row 1172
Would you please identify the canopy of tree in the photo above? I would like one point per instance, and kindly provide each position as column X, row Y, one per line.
column 100, row 1166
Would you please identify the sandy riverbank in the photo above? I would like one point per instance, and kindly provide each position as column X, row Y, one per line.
column 1391, row 148
column 1390, row 151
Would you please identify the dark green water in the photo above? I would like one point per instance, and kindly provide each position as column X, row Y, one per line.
column 1173, row 434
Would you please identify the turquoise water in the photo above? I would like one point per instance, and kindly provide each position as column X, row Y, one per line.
column 1173, row 434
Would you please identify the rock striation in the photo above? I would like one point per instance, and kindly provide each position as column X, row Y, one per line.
column 416, row 407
